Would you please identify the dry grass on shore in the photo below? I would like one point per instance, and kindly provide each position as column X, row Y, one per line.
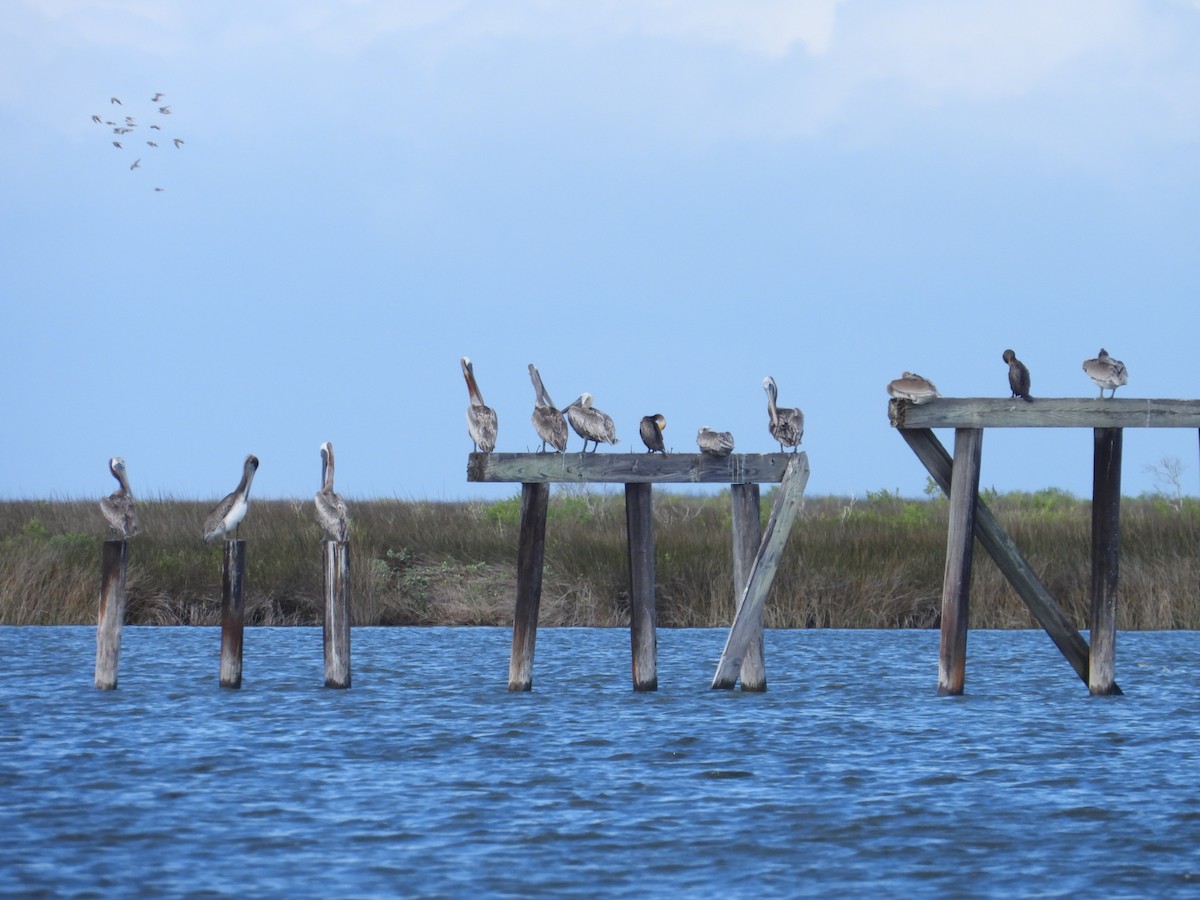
column 873, row 563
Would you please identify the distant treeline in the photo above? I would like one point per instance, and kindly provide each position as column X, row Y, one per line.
column 874, row 562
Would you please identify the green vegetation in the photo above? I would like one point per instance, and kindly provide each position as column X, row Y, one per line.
column 850, row 563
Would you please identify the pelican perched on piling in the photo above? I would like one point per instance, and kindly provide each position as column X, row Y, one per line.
column 714, row 443
column 331, row 508
column 1106, row 372
column 548, row 420
column 481, row 418
column 1018, row 376
column 118, row 506
column 911, row 386
column 785, row 423
column 590, row 423
column 228, row 514
column 651, row 429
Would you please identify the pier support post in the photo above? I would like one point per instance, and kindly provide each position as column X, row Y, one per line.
column 1106, row 543
column 643, row 615
column 960, row 544
column 336, row 557
column 111, row 615
column 233, row 571
column 531, row 551
column 747, row 535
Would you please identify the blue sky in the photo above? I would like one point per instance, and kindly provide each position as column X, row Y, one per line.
column 657, row 202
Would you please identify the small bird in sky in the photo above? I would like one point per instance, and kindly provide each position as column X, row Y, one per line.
column 651, row 429
column 157, row 189
column 714, row 443
column 178, row 143
column 1018, row 376
column 117, row 144
column 165, row 110
column 151, row 144
column 1106, row 372
column 118, row 102
column 96, row 119
column 911, row 386
column 137, row 164
column 158, row 96
column 156, row 127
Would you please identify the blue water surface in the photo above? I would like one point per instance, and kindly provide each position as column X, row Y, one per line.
column 848, row 776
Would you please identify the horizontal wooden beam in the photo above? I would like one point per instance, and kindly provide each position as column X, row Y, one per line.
column 628, row 468
column 990, row 412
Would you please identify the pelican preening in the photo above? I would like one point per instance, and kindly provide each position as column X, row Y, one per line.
column 1018, row 376
column 590, row 423
column 118, row 506
column 785, row 423
column 1106, row 372
column 714, row 443
column 228, row 514
column 331, row 508
column 911, row 386
column 651, row 429
column 548, row 420
column 481, row 419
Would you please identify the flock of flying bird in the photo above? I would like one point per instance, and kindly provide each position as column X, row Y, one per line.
column 1106, row 373
column 786, row 424
column 129, row 125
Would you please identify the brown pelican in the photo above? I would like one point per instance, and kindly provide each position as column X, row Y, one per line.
column 228, row 514
column 1018, row 376
column 786, row 424
column 651, row 429
column 548, row 420
column 118, row 506
column 590, row 423
column 911, row 386
column 714, row 443
column 1106, row 372
column 481, row 419
column 331, row 508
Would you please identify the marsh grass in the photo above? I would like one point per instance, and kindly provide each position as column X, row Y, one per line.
column 870, row 563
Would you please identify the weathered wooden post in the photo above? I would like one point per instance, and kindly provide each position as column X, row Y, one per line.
column 960, row 543
column 336, row 556
column 1106, row 543
column 747, row 622
column 112, row 613
column 643, row 616
column 531, row 551
column 747, row 535
column 233, row 571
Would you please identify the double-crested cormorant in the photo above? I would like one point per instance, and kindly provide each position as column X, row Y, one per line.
column 481, row 419
column 911, row 386
column 785, row 423
column 228, row 514
column 714, row 443
column 118, row 506
column 1018, row 376
column 331, row 508
column 1106, row 372
column 590, row 423
column 548, row 420
column 651, row 429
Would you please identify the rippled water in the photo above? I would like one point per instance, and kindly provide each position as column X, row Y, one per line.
column 428, row 778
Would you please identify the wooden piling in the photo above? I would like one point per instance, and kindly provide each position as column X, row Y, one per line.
column 747, row 622
column 336, row 556
column 1106, row 542
column 960, row 543
column 747, row 536
column 111, row 615
column 531, row 551
column 233, row 571
column 643, row 617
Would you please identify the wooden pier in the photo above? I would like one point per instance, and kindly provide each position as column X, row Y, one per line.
column 755, row 560
column 970, row 517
